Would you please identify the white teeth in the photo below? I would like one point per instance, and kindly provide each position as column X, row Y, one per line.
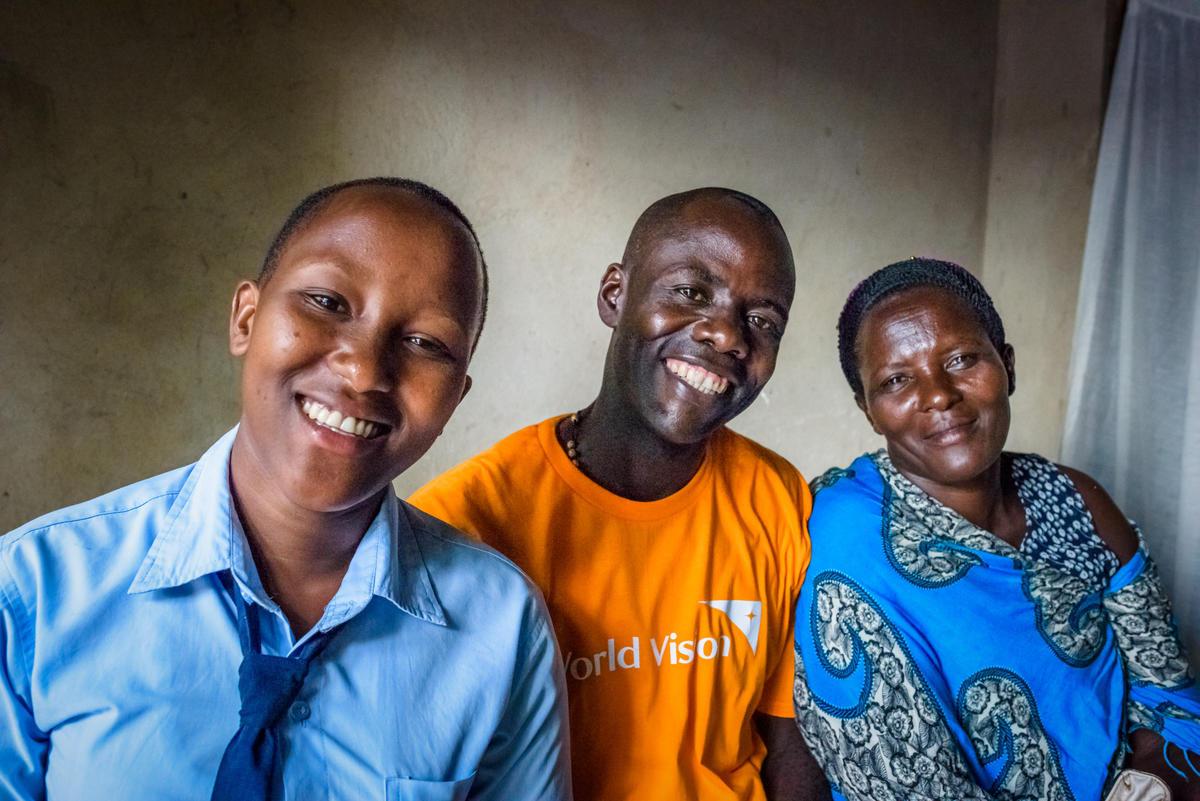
column 698, row 378
column 331, row 418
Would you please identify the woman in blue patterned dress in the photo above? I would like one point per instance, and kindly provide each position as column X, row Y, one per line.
column 975, row 623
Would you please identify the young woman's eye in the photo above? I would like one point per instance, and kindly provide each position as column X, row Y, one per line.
column 429, row 346
column 330, row 303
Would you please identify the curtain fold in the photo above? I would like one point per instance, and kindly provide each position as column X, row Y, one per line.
column 1133, row 411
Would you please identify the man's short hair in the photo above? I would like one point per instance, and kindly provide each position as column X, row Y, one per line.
column 662, row 218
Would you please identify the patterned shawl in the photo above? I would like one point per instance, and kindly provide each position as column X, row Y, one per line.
column 934, row 660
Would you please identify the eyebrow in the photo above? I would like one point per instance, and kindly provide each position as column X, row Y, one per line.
column 325, row 260
column 778, row 309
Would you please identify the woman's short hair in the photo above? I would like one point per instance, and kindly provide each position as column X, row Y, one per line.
column 898, row 277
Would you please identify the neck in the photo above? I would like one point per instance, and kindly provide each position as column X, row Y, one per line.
column 988, row 501
column 619, row 453
column 301, row 555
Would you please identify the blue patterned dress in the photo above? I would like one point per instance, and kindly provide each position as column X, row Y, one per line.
column 936, row 661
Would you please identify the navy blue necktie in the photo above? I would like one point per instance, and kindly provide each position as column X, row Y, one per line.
column 250, row 769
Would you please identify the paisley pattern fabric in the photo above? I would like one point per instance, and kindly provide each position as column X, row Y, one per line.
column 1001, row 718
column 905, row 746
column 932, row 656
column 1141, row 618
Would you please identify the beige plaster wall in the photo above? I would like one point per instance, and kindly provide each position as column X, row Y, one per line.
column 147, row 153
column 1051, row 68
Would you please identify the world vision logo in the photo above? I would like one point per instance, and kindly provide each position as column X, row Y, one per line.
column 670, row 649
column 743, row 614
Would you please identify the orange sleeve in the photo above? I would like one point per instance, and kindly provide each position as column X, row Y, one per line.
column 794, row 551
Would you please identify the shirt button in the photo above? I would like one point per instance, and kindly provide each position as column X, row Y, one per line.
column 299, row 712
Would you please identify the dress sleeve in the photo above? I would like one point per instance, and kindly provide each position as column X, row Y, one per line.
column 527, row 757
column 23, row 747
column 1163, row 695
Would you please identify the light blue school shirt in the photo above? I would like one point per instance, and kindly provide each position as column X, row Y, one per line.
column 120, row 654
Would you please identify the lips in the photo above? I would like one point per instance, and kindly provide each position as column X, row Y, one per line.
column 696, row 377
column 340, row 422
column 949, row 430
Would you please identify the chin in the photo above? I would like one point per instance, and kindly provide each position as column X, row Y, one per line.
column 683, row 431
column 962, row 471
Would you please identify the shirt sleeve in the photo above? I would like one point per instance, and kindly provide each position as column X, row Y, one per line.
column 23, row 747
column 1162, row 695
column 527, row 757
column 794, row 556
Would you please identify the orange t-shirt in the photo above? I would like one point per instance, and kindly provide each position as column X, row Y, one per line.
column 674, row 616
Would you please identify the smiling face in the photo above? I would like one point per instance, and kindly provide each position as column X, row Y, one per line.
column 697, row 315
column 935, row 387
column 356, row 349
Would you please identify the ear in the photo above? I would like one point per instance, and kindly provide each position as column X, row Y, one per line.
column 241, row 317
column 1010, row 366
column 611, row 297
column 861, row 402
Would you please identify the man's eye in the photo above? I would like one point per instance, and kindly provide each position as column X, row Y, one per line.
column 893, row 382
column 691, row 292
column 764, row 323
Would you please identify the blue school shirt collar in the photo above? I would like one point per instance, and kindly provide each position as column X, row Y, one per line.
column 204, row 536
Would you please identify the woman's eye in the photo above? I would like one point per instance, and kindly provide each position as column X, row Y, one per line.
column 892, row 382
column 961, row 360
column 428, row 345
column 330, row 303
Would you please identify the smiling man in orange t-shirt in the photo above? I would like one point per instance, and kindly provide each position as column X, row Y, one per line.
column 669, row 548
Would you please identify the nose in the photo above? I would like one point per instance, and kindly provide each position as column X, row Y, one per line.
column 938, row 392
column 363, row 361
column 723, row 331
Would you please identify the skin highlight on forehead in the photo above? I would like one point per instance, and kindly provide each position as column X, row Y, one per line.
column 909, row 324
column 403, row 208
column 686, row 213
column 399, row 189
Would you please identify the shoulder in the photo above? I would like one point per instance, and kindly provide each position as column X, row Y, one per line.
column 486, row 600
column 509, row 462
column 454, row 558
column 846, row 501
column 742, row 456
column 96, row 522
column 1111, row 524
column 78, row 556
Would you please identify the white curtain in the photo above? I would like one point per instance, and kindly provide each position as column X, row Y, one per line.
column 1133, row 414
